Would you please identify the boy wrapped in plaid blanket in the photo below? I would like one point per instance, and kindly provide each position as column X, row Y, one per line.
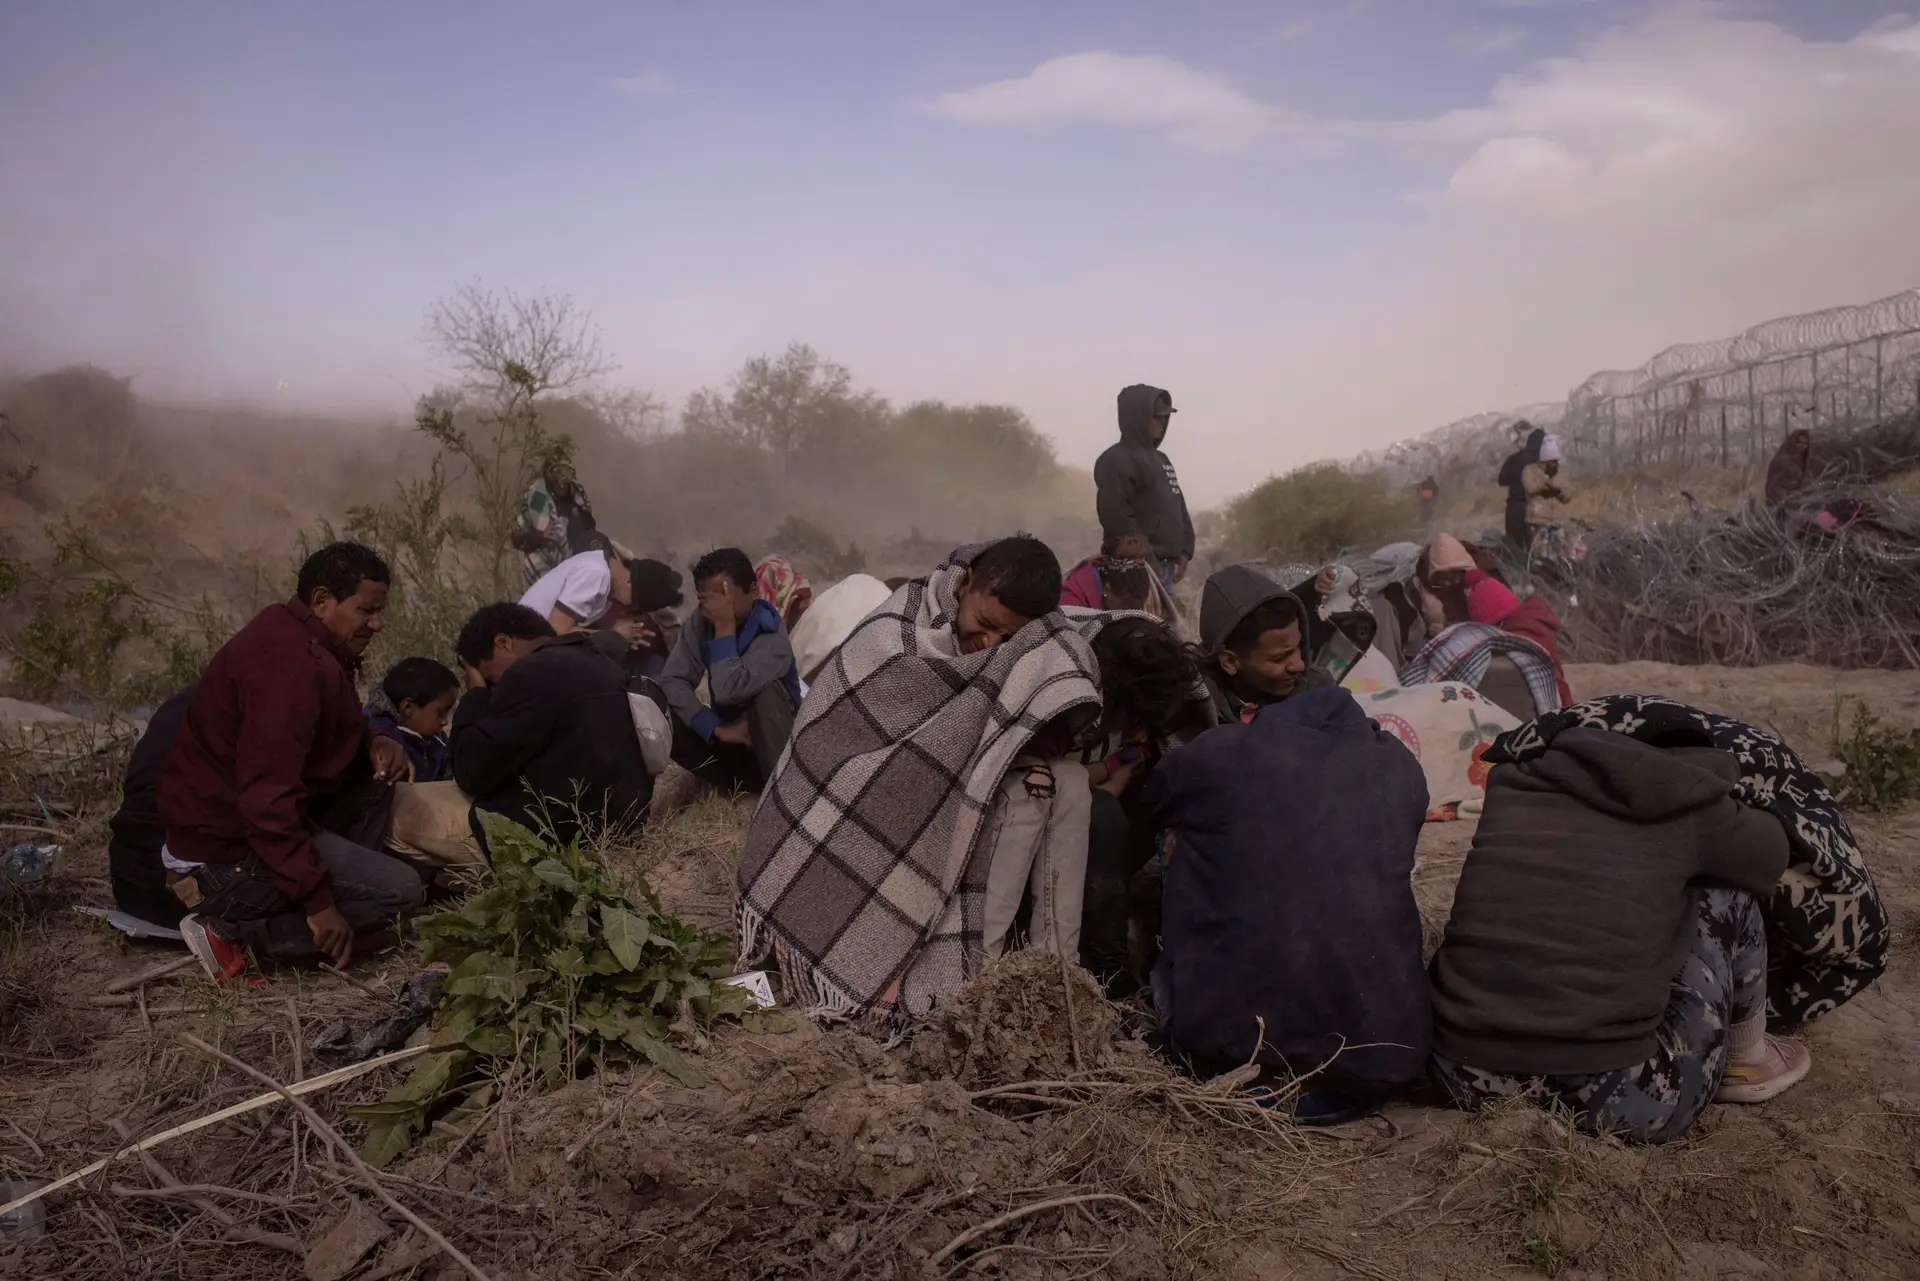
column 864, row 871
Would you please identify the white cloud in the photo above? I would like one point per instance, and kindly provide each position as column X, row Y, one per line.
column 1689, row 111
column 648, row 84
column 1195, row 109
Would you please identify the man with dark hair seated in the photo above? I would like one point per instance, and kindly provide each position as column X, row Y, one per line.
column 544, row 735
column 1289, row 932
column 1253, row 643
column 738, row 645
column 273, row 796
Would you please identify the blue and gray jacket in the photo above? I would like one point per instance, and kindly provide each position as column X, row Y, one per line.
column 737, row 669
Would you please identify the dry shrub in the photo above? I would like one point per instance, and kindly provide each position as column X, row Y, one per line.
column 1311, row 515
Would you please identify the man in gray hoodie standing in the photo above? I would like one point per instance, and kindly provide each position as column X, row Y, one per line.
column 1142, row 511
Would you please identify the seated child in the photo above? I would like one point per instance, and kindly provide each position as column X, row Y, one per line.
column 738, row 645
column 413, row 704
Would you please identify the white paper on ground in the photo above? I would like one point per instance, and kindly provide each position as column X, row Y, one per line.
column 758, row 988
column 131, row 926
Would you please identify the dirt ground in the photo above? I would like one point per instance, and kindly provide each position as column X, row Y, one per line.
column 1027, row 1133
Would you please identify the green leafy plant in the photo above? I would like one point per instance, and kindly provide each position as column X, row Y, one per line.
column 1882, row 765
column 554, row 971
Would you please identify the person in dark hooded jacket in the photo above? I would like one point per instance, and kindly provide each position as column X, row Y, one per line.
column 1253, row 643
column 1607, row 947
column 135, row 864
column 1142, row 511
column 1289, row 931
column 1512, row 475
column 544, row 735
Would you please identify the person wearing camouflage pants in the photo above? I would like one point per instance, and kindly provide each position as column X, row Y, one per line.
column 1721, row 985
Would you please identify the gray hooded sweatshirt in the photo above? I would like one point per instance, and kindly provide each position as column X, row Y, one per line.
column 1576, row 906
column 1138, row 492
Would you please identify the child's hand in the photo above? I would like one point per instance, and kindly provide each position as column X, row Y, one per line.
column 717, row 608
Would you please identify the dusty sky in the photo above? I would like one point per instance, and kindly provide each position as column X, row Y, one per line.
column 1324, row 226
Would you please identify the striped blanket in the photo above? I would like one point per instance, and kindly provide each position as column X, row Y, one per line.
column 1464, row 651
column 863, row 873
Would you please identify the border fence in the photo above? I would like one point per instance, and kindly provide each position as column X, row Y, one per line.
column 1727, row 403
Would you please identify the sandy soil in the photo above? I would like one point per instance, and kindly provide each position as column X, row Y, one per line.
column 821, row 1154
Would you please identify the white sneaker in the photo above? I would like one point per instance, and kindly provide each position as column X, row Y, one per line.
column 1784, row 1065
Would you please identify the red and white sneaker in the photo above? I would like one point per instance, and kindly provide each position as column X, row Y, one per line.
column 222, row 959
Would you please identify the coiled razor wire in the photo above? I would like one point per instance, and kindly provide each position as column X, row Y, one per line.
column 1753, row 587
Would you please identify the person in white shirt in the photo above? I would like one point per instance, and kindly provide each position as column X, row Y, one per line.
column 582, row 590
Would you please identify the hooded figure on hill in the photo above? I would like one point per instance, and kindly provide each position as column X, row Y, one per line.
column 1512, row 475
column 1142, row 511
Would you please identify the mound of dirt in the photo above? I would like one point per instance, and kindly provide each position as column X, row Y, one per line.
column 806, row 1154
column 1027, row 1018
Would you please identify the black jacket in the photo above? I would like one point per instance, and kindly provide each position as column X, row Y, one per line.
column 1575, row 909
column 1288, row 895
column 1510, row 471
column 556, row 726
column 1138, row 492
column 133, row 851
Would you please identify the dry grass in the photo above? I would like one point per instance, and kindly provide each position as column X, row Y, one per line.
column 1004, row 1140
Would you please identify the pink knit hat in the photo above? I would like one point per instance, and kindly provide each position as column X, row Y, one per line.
column 1489, row 600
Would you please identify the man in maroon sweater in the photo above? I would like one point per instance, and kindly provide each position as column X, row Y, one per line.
column 275, row 728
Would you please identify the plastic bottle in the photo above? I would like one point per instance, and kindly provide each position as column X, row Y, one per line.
column 30, row 1220
column 27, row 863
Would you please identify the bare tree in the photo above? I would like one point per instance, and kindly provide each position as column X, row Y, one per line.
column 507, row 351
column 508, row 344
column 632, row 412
column 781, row 402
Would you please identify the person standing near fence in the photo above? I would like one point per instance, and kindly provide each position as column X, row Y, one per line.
column 1513, row 476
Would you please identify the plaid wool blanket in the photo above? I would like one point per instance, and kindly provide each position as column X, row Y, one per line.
column 1463, row 652
column 863, row 872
